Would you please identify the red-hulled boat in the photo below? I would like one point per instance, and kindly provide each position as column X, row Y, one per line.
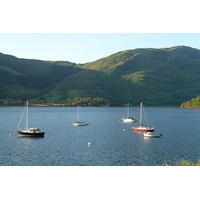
column 142, row 127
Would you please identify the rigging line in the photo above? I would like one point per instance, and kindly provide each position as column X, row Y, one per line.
column 137, row 114
column 76, row 116
column 21, row 117
column 145, row 117
column 124, row 114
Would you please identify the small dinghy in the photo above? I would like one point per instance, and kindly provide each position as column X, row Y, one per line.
column 150, row 135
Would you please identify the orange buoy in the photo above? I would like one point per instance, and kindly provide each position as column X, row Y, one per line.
column 10, row 135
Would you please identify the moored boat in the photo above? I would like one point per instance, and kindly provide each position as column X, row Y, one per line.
column 128, row 119
column 29, row 132
column 150, row 135
column 142, row 127
column 78, row 123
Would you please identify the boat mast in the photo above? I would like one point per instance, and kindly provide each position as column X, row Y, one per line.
column 127, row 110
column 27, row 115
column 78, row 114
column 141, row 114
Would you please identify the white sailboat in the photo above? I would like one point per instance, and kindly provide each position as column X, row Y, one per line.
column 142, row 127
column 28, row 132
column 128, row 119
column 78, row 123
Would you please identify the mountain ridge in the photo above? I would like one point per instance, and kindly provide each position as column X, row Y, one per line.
column 166, row 76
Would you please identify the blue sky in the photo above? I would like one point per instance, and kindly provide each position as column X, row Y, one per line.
column 84, row 31
column 87, row 47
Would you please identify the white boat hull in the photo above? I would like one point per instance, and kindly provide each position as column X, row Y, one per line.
column 80, row 124
column 128, row 120
column 150, row 135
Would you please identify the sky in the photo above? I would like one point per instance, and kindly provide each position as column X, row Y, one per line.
column 84, row 31
column 87, row 47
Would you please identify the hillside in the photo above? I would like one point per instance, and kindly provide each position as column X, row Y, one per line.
column 167, row 76
column 193, row 103
column 26, row 78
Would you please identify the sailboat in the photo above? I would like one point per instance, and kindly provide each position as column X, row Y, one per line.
column 142, row 127
column 128, row 119
column 78, row 123
column 28, row 132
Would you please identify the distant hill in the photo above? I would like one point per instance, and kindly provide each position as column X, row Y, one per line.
column 167, row 76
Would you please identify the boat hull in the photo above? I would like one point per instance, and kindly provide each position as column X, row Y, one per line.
column 22, row 133
column 143, row 129
column 80, row 124
column 150, row 135
column 129, row 120
column 153, row 136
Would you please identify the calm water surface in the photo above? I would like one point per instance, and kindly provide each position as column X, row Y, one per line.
column 65, row 145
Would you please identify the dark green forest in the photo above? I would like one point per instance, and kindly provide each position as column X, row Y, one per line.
column 167, row 76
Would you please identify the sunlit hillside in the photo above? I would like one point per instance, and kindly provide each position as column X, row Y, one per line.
column 167, row 76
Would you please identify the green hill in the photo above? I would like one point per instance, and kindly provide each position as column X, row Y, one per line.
column 155, row 76
column 193, row 103
column 167, row 76
column 26, row 79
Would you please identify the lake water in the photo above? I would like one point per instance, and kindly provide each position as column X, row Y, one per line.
column 65, row 145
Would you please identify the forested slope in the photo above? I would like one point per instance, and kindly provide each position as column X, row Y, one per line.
column 167, row 76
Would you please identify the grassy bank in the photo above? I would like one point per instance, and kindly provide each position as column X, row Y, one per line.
column 182, row 162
